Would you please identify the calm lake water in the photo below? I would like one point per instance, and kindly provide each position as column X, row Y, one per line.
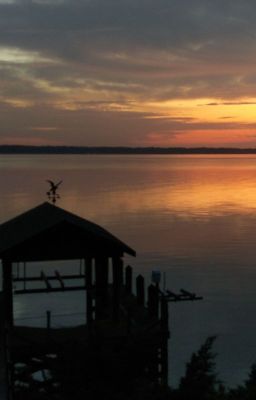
column 192, row 217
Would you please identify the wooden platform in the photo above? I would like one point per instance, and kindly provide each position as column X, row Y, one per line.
column 128, row 345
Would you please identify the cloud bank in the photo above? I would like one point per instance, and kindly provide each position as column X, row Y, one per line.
column 99, row 72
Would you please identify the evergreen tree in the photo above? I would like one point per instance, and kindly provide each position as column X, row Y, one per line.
column 200, row 380
column 246, row 391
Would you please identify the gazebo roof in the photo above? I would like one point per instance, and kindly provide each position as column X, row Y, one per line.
column 48, row 232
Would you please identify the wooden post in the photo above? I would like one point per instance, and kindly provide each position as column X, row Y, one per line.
column 165, row 337
column 128, row 279
column 105, row 272
column 8, row 366
column 140, row 290
column 48, row 317
column 117, row 263
column 101, row 267
column 153, row 301
column 88, row 285
column 25, row 275
column 121, row 272
column 7, row 292
column 18, row 269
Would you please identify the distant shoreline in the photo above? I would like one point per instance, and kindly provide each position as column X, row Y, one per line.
column 19, row 149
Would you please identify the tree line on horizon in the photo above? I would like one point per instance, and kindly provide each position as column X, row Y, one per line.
column 29, row 149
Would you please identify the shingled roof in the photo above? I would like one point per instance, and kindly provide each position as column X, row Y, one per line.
column 50, row 232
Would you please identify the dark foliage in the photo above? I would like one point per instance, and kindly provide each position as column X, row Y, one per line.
column 97, row 372
column 246, row 391
column 200, row 380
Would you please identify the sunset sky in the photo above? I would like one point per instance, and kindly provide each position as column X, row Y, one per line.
column 128, row 72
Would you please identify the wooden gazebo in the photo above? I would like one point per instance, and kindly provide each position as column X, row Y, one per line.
column 120, row 326
column 47, row 233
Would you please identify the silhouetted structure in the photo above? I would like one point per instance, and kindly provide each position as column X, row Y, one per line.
column 119, row 328
column 52, row 192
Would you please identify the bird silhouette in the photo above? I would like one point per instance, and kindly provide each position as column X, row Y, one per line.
column 54, row 186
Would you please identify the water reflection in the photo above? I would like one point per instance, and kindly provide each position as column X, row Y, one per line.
column 109, row 185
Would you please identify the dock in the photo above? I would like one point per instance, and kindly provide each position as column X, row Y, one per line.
column 137, row 342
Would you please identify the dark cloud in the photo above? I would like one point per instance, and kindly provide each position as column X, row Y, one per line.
column 103, row 55
column 70, row 29
column 229, row 103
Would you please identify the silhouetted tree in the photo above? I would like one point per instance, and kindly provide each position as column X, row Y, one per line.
column 246, row 391
column 250, row 384
column 200, row 380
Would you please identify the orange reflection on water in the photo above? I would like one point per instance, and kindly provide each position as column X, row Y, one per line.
column 106, row 187
column 195, row 188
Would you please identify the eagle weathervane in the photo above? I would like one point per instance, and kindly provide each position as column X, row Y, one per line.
column 52, row 193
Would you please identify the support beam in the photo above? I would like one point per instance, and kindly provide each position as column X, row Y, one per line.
column 101, row 269
column 140, row 290
column 153, row 301
column 51, row 290
column 165, row 337
column 50, row 278
column 88, row 286
column 7, row 292
column 117, row 263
